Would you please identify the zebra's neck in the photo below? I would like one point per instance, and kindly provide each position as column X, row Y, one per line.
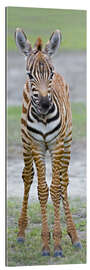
column 52, row 114
column 44, row 128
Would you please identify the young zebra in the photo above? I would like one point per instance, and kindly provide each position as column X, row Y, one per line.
column 46, row 124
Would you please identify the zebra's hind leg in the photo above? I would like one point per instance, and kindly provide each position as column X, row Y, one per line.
column 27, row 176
column 71, row 229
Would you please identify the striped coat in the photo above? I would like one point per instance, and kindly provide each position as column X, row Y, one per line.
column 46, row 124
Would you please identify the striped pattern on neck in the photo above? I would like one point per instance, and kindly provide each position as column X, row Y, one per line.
column 44, row 128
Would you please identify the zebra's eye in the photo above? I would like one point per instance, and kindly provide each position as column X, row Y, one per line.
column 51, row 75
column 35, row 95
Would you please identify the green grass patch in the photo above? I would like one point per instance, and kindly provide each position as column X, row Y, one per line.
column 13, row 113
column 42, row 22
column 13, row 116
column 29, row 253
column 78, row 121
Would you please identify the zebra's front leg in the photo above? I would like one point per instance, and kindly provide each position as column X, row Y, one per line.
column 27, row 176
column 55, row 191
column 43, row 193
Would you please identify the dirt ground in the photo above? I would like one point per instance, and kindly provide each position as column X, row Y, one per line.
column 72, row 65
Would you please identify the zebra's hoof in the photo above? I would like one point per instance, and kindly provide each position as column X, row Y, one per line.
column 45, row 252
column 77, row 245
column 58, row 253
column 20, row 240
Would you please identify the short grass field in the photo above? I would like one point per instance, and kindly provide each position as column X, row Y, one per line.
column 42, row 22
column 29, row 253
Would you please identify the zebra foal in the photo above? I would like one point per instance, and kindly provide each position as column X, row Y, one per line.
column 46, row 124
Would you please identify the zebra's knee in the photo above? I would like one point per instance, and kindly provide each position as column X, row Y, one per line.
column 55, row 192
column 43, row 193
column 27, row 175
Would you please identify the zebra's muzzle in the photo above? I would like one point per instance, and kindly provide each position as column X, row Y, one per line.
column 44, row 104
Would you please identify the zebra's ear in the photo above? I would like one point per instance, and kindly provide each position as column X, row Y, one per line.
column 22, row 43
column 54, row 42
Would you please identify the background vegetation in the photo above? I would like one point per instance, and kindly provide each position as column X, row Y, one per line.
column 42, row 22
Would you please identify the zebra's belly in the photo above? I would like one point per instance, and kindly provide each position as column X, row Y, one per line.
column 44, row 132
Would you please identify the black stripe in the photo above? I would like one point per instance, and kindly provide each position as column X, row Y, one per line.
column 57, row 127
column 34, row 114
column 52, row 109
column 28, row 116
column 53, row 118
column 34, row 130
column 40, row 133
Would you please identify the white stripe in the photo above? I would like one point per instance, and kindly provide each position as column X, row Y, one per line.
column 51, row 115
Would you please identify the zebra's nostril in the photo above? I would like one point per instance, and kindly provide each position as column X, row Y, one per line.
column 44, row 103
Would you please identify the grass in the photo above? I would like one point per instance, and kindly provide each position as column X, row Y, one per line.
column 78, row 120
column 42, row 22
column 13, row 126
column 30, row 252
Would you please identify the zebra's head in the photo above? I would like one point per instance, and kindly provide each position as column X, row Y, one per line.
column 39, row 68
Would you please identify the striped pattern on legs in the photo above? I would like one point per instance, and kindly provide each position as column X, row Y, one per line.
column 27, row 176
column 43, row 192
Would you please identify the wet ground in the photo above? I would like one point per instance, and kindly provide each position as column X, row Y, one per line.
column 73, row 67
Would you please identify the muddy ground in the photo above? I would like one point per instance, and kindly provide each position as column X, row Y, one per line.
column 72, row 65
